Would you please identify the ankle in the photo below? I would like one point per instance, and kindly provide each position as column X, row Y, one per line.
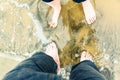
column 86, row 2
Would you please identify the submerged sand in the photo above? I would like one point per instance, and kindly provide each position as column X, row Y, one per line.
column 24, row 30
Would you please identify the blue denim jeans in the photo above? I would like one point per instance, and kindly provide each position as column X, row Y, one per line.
column 42, row 67
column 86, row 70
column 77, row 1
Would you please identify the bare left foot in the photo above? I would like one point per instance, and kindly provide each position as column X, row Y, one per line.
column 55, row 4
column 86, row 56
column 89, row 11
column 52, row 50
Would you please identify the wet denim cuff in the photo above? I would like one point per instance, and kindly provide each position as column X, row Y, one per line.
column 47, row 0
column 78, row 1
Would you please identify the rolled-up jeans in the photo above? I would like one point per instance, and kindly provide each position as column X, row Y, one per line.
column 86, row 70
column 77, row 1
column 42, row 67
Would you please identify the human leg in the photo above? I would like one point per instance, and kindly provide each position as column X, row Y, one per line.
column 55, row 4
column 88, row 9
column 41, row 65
column 52, row 51
column 44, row 63
column 86, row 69
column 48, row 62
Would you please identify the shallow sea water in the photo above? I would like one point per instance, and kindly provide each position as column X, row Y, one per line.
column 24, row 30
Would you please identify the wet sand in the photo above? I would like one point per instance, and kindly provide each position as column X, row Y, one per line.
column 6, row 65
column 24, row 30
column 107, row 32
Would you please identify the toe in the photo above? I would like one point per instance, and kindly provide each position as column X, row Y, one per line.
column 92, row 19
column 89, row 21
column 84, row 54
column 52, row 24
column 53, row 44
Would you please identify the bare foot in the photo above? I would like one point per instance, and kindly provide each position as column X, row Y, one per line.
column 52, row 50
column 89, row 11
column 86, row 56
column 55, row 4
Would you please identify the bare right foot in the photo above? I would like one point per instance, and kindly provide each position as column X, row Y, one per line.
column 55, row 4
column 89, row 11
column 86, row 56
column 52, row 50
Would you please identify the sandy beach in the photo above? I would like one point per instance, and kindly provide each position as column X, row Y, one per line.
column 24, row 30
